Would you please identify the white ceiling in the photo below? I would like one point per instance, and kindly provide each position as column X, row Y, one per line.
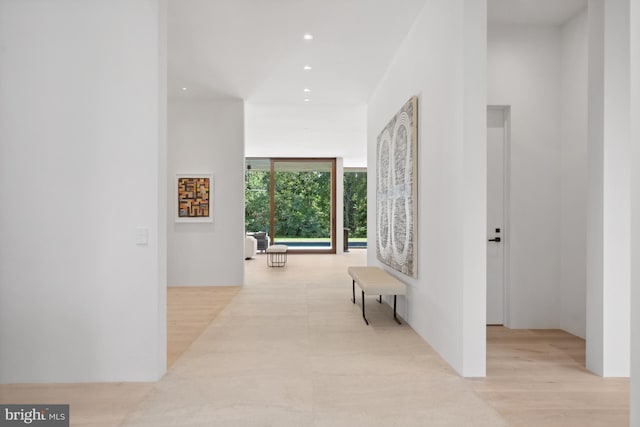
column 311, row 131
column 545, row 12
column 254, row 49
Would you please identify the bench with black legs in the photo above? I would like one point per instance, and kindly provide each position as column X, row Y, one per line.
column 376, row 281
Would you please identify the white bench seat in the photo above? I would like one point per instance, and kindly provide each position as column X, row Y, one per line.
column 376, row 281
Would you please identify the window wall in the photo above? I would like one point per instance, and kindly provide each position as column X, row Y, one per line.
column 355, row 206
column 292, row 199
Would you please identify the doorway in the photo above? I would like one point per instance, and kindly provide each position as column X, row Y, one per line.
column 497, row 214
column 293, row 202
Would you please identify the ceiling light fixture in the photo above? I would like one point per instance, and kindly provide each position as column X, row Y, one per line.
column 307, row 67
column 307, row 90
column 184, row 88
column 308, row 37
column 307, row 100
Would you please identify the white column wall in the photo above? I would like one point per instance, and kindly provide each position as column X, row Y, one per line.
column 82, row 94
column 608, row 217
column 207, row 137
column 474, row 310
column 635, row 213
column 439, row 61
column 339, row 222
column 573, row 175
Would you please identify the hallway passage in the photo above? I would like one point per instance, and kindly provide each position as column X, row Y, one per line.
column 290, row 349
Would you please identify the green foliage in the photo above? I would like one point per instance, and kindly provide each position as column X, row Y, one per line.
column 355, row 203
column 257, row 201
column 303, row 203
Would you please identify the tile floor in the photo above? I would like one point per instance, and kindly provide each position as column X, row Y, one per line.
column 292, row 350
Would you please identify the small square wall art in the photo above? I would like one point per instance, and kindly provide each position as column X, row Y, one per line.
column 194, row 196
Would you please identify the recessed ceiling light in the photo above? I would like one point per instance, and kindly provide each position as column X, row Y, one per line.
column 184, row 88
column 307, row 100
column 308, row 36
column 307, row 67
column 307, row 90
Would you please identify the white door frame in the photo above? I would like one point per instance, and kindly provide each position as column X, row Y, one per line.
column 506, row 231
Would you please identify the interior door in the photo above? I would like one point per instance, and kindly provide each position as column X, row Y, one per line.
column 495, row 215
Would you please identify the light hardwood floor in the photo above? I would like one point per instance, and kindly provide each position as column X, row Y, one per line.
column 189, row 311
column 289, row 348
column 538, row 378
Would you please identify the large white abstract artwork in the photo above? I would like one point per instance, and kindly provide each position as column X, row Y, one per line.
column 396, row 191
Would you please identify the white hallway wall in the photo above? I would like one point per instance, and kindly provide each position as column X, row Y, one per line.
column 524, row 73
column 552, row 278
column 541, row 72
column 207, row 137
column 441, row 61
column 82, row 156
column 635, row 213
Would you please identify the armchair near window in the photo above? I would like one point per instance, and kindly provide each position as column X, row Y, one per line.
column 263, row 240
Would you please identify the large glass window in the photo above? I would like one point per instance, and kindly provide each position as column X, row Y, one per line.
column 297, row 199
column 355, row 206
column 257, row 213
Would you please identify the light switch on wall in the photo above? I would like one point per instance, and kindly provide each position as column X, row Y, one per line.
column 142, row 236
